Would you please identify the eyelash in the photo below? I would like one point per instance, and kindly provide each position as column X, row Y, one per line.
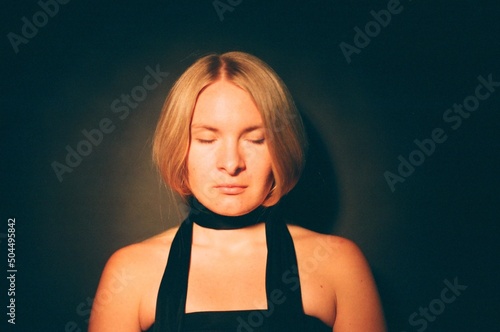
column 258, row 141
column 208, row 141
column 205, row 141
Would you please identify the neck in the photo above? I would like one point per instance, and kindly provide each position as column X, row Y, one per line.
column 231, row 240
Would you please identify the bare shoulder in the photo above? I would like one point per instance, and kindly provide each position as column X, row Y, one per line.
column 337, row 247
column 334, row 267
column 341, row 258
column 144, row 257
column 132, row 274
column 145, row 251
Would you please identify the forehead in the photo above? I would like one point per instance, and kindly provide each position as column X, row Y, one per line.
column 225, row 104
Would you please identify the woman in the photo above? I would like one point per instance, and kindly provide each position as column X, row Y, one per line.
column 230, row 141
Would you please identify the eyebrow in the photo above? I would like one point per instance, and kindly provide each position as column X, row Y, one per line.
column 215, row 130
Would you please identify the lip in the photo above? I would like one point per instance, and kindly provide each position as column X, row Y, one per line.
column 230, row 189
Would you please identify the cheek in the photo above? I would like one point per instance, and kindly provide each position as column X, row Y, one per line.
column 192, row 169
column 194, row 160
column 265, row 169
column 270, row 177
column 199, row 167
column 196, row 179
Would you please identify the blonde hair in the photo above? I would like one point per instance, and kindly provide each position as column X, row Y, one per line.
column 284, row 129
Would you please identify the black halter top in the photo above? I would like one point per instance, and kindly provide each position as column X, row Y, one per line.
column 284, row 301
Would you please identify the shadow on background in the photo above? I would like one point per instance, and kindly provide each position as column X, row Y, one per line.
column 439, row 224
column 314, row 202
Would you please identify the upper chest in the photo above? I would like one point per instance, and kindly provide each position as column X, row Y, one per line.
column 225, row 280
column 221, row 281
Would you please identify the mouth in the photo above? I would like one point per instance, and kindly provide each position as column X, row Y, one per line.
column 230, row 189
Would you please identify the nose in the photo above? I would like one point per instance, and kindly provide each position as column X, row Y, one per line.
column 230, row 158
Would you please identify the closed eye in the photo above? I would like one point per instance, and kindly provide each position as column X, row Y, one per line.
column 205, row 141
column 258, row 141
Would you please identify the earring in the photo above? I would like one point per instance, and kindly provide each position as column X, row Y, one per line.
column 273, row 188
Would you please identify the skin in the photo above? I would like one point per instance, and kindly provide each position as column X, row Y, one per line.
column 229, row 164
column 228, row 147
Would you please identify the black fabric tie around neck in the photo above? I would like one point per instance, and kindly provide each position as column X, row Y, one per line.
column 202, row 216
column 171, row 301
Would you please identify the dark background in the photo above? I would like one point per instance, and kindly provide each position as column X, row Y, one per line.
column 441, row 223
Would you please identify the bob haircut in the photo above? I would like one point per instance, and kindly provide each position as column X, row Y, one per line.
column 284, row 131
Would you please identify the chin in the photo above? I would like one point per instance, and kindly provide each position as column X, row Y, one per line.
column 233, row 206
